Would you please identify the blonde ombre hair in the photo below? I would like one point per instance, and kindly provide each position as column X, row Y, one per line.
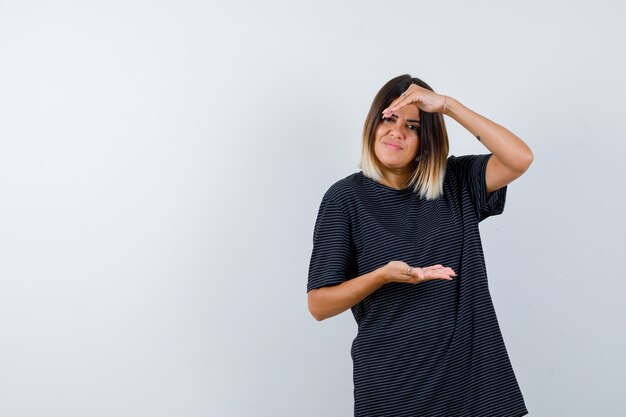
column 428, row 173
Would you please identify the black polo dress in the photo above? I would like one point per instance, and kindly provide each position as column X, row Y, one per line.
column 428, row 349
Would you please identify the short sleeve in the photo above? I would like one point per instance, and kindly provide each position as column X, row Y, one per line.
column 471, row 173
column 333, row 256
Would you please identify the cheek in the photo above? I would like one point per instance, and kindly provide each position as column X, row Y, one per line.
column 381, row 151
column 413, row 147
column 378, row 148
column 378, row 145
column 380, row 132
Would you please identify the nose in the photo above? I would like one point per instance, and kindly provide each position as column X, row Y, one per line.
column 398, row 131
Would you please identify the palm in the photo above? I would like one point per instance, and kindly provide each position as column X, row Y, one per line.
column 423, row 98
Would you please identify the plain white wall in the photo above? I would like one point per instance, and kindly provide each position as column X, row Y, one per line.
column 162, row 163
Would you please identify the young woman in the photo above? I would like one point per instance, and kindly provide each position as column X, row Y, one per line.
column 399, row 244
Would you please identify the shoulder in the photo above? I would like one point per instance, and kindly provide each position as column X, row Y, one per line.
column 344, row 188
column 344, row 192
column 466, row 164
column 454, row 160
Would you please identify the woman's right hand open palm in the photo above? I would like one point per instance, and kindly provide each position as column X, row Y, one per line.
column 398, row 271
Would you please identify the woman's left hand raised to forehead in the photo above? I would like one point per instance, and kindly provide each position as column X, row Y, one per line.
column 423, row 98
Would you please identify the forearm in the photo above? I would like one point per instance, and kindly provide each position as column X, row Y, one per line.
column 327, row 302
column 510, row 150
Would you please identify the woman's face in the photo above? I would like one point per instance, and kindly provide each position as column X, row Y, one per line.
column 397, row 140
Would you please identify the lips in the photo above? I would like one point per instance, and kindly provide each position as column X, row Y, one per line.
column 392, row 145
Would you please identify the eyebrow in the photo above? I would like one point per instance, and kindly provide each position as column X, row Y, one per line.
column 395, row 116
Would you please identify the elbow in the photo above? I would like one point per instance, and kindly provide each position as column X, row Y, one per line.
column 317, row 315
column 523, row 162
column 313, row 308
column 528, row 159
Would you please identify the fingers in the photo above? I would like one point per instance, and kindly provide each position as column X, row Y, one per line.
column 420, row 273
column 438, row 268
column 424, row 99
column 433, row 267
column 398, row 103
column 403, row 272
column 434, row 272
column 408, row 97
column 423, row 274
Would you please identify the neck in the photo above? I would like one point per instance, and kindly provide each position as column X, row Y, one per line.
column 395, row 179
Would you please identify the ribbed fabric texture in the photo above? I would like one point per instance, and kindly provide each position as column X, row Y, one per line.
column 430, row 349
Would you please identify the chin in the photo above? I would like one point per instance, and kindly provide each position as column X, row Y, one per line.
column 396, row 165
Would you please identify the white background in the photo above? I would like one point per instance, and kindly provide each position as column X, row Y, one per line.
column 162, row 163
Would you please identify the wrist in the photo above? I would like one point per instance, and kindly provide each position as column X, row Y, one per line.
column 450, row 106
column 380, row 275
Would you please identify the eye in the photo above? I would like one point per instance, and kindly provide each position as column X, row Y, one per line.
column 414, row 128
column 387, row 119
